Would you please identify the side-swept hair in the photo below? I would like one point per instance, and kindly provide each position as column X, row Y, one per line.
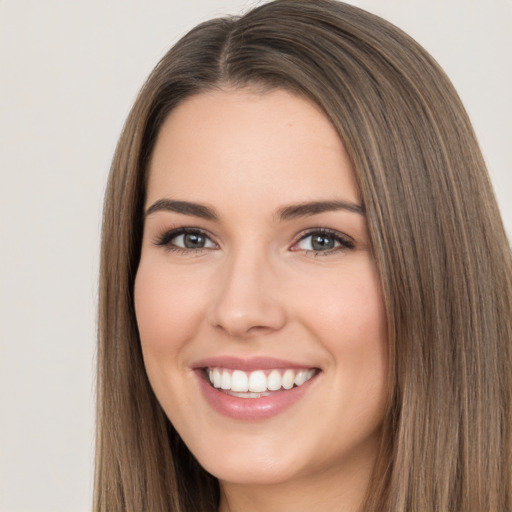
column 439, row 244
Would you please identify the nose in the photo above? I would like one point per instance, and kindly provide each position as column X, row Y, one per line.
column 247, row 301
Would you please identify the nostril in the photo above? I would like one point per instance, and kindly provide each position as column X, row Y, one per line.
column 242, row 319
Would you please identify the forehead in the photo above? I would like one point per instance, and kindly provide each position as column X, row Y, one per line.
column 245, row 145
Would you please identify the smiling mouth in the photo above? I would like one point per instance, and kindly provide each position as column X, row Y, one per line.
column 258, row 383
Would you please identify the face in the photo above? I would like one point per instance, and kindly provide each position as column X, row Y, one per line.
column 257, row 299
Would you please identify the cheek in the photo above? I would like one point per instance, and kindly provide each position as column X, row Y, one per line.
column 349, row 320
column 168, row 307
column 348, row 310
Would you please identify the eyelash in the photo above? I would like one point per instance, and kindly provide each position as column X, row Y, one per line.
column 344, row 242
column 165, row 239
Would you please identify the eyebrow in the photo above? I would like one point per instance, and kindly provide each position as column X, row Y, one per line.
column 184, row 207
column 312, row 208
column 289, row 212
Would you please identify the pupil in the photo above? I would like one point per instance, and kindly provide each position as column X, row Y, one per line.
column 322, row 242
column 193, row 241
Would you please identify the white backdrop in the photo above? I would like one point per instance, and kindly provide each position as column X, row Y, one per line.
column 69, row 71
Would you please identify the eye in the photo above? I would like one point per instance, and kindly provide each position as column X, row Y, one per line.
column 323, row 241
column 185, row 239
column 191, row 241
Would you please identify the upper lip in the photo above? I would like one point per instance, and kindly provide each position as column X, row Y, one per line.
column 248, row 364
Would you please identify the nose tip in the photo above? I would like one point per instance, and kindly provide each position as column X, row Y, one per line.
column 247, row 304
column 243, row 323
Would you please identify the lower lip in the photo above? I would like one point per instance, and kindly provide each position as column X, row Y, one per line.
column 251, row 408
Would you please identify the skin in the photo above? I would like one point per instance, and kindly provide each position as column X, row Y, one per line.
column 259, row 289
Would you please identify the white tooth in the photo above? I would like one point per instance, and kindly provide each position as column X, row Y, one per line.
column 246, row 395
column 300, row 378
column 239, row 381
column 288, row 379
column 310, row 373
column 274, row 381
column 217, row 378
column 226, row 380
column 257, row 382
column 210, row 375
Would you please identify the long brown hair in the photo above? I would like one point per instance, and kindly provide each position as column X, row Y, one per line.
column 438, row 241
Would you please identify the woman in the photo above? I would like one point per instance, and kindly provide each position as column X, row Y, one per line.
column 306, row 286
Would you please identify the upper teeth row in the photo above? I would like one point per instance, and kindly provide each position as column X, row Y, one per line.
column 257, row 381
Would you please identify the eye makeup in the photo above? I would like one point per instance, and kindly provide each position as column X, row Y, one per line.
column 320, row 241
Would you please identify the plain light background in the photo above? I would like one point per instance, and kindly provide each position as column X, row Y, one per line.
column 69, row 72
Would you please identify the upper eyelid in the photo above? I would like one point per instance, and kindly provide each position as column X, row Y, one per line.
column 327, row 231
column 345, row 242
column 174, row 232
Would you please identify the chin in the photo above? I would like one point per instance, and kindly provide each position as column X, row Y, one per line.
column 249, row 464
column 244, row 472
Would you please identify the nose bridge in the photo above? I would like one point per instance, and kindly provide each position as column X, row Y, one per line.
column 246, row 301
